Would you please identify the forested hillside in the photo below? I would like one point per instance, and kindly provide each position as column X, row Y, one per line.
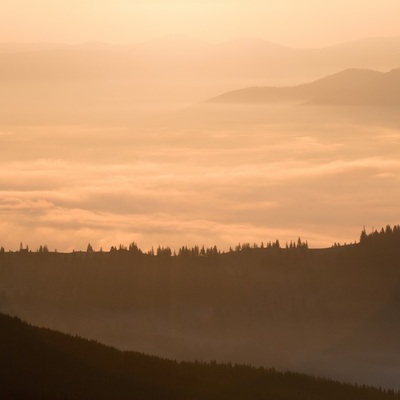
column 263, row 305
column 43, row 364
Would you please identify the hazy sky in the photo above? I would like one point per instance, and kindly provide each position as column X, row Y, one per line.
column 192, row 179
column 298, row 23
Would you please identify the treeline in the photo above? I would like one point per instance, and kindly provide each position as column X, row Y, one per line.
column 38, row 363
column 388, row 236
column 195, row 251
column 384, row 243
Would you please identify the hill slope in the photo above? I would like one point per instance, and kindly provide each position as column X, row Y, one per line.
column 349, row 87
column 264, row 306
column 42, row 364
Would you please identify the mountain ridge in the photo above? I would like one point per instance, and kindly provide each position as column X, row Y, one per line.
column 172, row 69
column 352, row 86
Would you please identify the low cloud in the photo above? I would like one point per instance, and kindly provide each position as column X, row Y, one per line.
column 220, row 188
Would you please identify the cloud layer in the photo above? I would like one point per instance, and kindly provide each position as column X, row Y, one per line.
column 183, row 183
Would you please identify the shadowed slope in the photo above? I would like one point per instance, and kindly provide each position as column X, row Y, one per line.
column 264, row 306
column 42, row 364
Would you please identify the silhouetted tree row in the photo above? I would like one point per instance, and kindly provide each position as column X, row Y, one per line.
column 381, row 245
column 387, row 235
column 384, row 239
column 185, row 251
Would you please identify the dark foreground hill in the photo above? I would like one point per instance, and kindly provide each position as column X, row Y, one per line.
column 38, row 363
column 350, row 87
column 332, row 312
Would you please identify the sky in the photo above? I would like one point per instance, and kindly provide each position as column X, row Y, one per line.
column 294, row 23
column 78, row 163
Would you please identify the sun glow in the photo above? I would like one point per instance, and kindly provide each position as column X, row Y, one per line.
column 289, row 22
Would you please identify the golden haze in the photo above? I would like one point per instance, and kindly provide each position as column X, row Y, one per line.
column 294, row 23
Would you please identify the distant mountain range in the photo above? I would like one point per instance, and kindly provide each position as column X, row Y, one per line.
column 174, row 68
column 350, row 87
column 183, row 57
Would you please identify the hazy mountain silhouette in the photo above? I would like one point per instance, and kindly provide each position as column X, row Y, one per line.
column 349, row 87
column 170, row 69
column 38, row 363
column 242, row 58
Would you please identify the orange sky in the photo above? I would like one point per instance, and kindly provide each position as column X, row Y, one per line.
column 296, row 23
column 115, row 174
